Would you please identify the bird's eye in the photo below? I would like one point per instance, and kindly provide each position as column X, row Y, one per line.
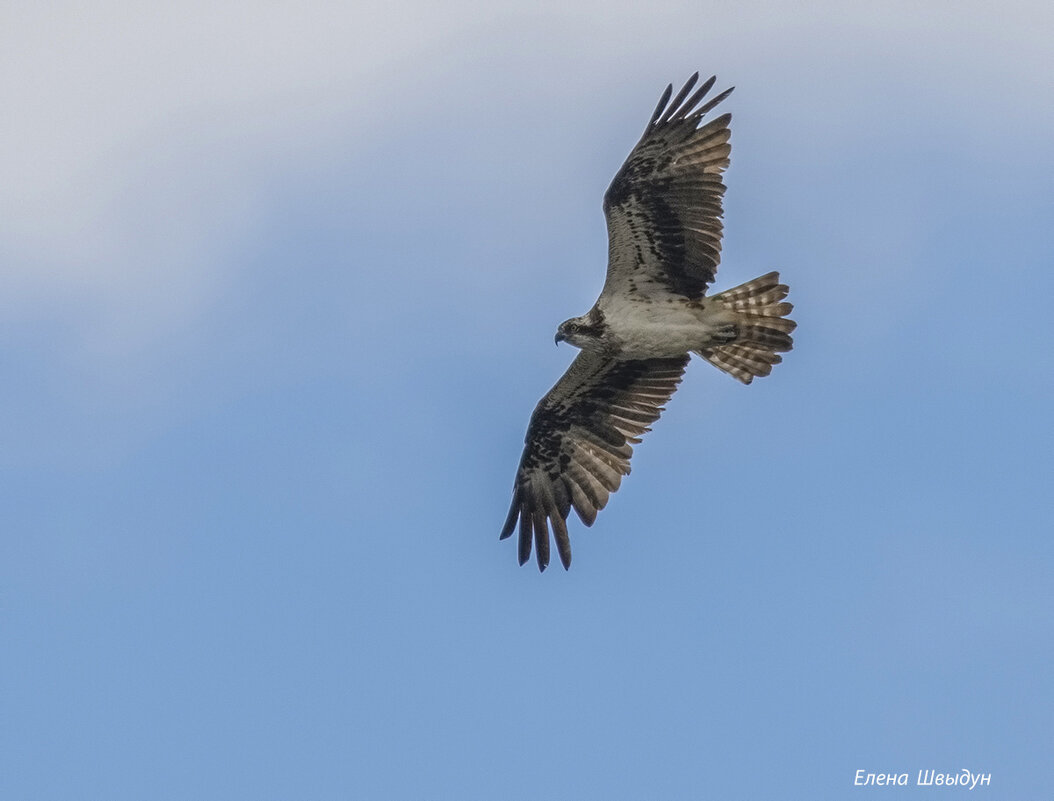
column 574, row 328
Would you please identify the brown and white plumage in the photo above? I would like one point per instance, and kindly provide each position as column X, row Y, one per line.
column 663, row 212
column 579, row 444
column 664, row 205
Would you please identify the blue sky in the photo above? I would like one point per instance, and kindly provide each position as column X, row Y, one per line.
column 280, row 285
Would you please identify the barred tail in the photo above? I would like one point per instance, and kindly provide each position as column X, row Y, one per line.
column 762, row 328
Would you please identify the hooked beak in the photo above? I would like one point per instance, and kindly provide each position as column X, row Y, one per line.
column 558, row 338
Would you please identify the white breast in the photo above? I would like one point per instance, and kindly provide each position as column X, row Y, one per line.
column 650, row 329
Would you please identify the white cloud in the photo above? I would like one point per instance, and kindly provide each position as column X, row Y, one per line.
column 135, row 135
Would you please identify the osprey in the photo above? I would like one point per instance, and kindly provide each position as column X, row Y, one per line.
column 663, row 212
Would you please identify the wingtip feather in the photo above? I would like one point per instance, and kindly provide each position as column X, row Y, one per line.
column 510, row 521
column 661, row 105
column 563, row 541
column 541, row 539
column 524, row 542
column 713, row 102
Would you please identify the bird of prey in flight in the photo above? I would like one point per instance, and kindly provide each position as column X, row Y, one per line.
column 663, row 212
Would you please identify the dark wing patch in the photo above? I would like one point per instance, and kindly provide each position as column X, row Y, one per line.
column 579, row 444
column 663, row 207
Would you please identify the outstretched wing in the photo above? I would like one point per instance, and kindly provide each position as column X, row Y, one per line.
column 578, row 444
column 664, row 206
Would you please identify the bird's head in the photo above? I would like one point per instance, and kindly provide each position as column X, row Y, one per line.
column 582, row 332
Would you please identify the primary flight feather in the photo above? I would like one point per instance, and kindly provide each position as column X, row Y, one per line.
column 663, row 212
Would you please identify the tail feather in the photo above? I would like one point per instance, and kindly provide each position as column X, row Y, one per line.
column 762, row 328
